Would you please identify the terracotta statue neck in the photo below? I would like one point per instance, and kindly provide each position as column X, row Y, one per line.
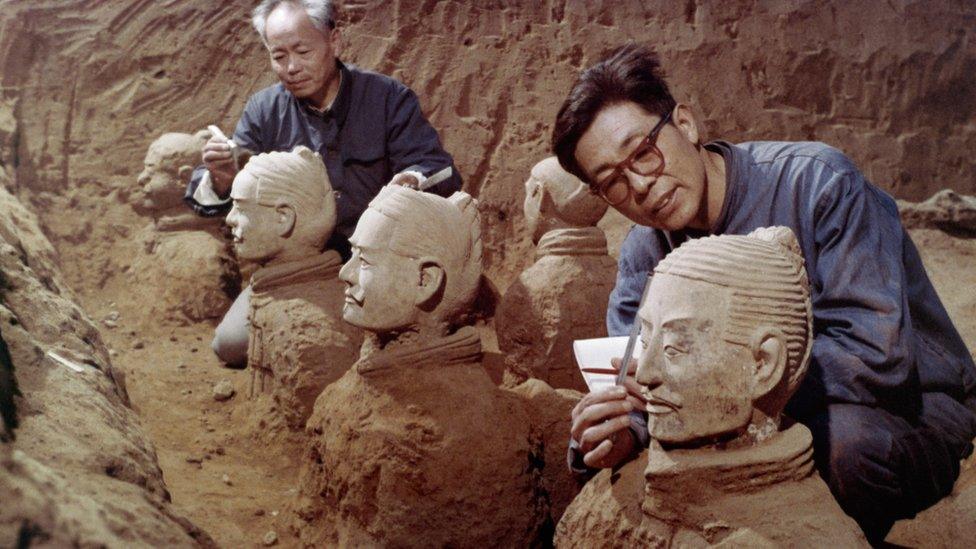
column 461, row 347
column 572, row 241
column 679, row 480
column 320, row 266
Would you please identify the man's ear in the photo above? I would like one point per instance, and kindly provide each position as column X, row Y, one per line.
column 770, row 353
column 430, row 284
column 684, row 119
column 335, row 40
column 185, row 173
column 285, row 217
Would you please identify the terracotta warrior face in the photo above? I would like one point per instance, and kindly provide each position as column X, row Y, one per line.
column 697, row 385
column 255, row 227
column 166, row 170
column 380, row 295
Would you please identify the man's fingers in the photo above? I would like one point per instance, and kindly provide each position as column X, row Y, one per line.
column 217, row 156
column 599, row 413
column 405, row 180
column 215, row 140
column 611, row 393
column 595, row 457
column 634, row 392
column 594, row 436
column 615, row 362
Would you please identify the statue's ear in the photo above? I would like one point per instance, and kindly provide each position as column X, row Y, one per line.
column 185, row 173
column 770, row 353
column 285, row 220
column 430, row 283
column 547, row 206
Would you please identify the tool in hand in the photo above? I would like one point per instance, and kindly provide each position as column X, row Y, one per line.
column 436, row 178
column 234, row 147
column 632, row 340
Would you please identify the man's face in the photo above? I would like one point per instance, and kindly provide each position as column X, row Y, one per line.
column 253, row 225
column 381, row 286
column 532, row 206
column 162, row 188
column 302, row 56
column 671, row 200
column 697, row 385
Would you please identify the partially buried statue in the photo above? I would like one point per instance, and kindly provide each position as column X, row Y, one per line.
column 186, row 259
column 283, row 213
column 726, row 332
column 414, row 445
column 563, row 295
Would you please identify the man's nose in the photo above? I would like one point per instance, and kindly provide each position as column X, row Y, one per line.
column 143, row 178
column 293, row 65
column 231, row 219
column 641, row 184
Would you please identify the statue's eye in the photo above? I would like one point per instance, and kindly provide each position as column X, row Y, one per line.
column 672, row 352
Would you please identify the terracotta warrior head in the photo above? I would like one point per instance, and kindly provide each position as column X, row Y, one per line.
column 726, row 331
column 284, row 209
column 416, row 263
column 167, row 168
column 556, row 199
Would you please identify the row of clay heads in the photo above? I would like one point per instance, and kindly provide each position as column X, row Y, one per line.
column 558, row 299
column 408, row 440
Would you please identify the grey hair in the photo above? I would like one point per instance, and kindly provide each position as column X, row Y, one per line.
column 321, row 12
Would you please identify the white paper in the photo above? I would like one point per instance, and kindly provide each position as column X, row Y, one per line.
column 596, row 353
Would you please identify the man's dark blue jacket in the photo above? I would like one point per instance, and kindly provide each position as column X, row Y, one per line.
column 881, row 334
column 373, row 130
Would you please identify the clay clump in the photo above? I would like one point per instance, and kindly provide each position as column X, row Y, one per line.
column 186, row 259
column 284, row 212
column 563, row 295
column 726, row 337
column 414, row 445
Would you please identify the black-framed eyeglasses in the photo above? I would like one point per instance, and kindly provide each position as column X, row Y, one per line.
column 645, row 160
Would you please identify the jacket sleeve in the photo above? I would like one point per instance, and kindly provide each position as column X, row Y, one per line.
column 248, row 135
column 862, row 348
column 413, row 144
column 642, row 249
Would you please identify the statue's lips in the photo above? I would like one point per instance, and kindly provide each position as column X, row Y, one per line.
column 659, row 406
column 351, row 299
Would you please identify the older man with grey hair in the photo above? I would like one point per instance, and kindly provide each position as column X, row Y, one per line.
column 368, row 128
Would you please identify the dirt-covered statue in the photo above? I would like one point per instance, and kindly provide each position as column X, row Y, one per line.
column 726, row 330
column 185, row 261
column 563, row 295
column 414, row 445
column 283, row 213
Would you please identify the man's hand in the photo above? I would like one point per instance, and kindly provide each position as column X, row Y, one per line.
column 601, row 420
column 220, row 163
column 405, row 180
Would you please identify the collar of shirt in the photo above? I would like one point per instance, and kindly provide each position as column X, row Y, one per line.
column 340, row 105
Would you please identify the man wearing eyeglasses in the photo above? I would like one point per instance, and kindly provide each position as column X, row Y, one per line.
column 890, row 396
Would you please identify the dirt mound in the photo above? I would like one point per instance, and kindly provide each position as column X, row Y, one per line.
column 81, row 470
column 90, row 85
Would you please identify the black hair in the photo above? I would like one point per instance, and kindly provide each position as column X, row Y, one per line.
column 631, row 72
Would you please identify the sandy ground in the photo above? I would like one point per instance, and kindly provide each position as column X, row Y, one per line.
column 170, row 379
column 170, row 373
